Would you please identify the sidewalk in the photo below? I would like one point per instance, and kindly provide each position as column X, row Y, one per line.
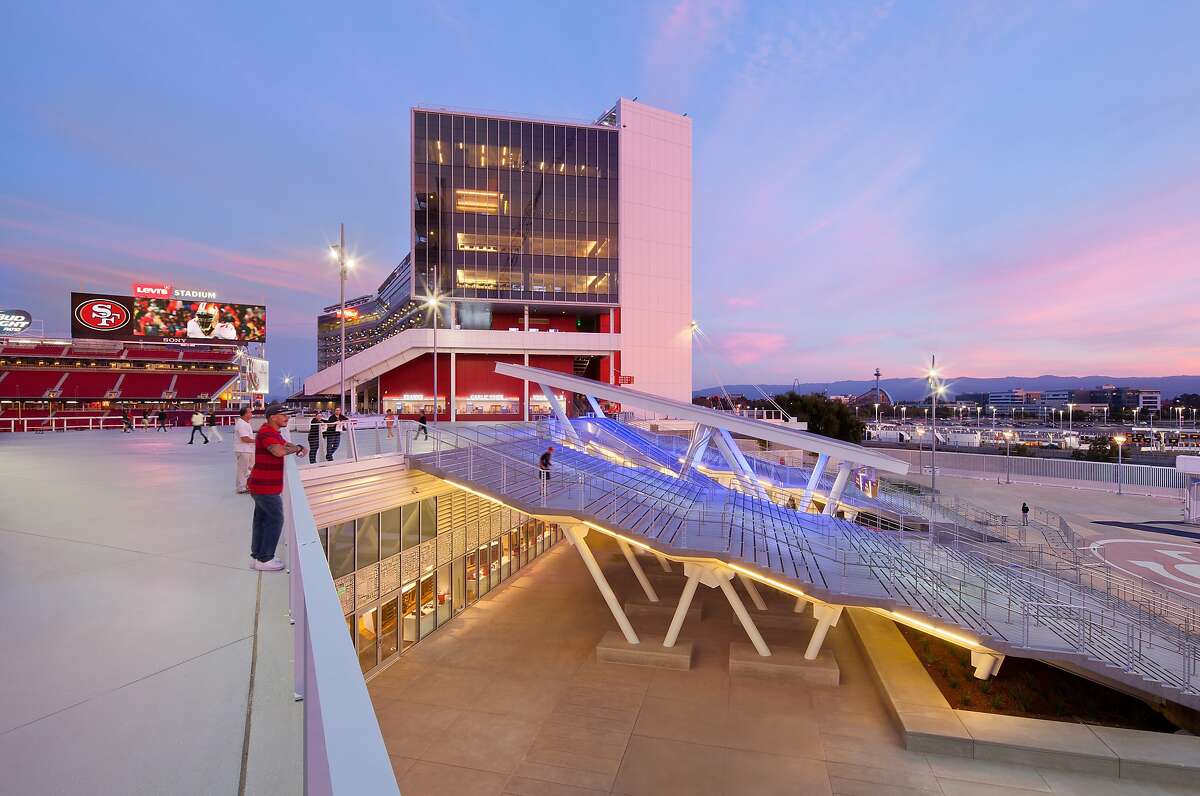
column 133, row 622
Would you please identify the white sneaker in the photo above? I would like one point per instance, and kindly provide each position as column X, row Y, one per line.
column 274, row 565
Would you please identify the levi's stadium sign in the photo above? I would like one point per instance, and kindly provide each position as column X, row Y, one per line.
column 14, row 321
column 163, row 291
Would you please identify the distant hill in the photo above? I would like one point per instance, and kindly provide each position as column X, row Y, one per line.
column 915, row 389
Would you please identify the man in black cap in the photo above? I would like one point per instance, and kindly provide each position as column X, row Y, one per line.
column 266, row 487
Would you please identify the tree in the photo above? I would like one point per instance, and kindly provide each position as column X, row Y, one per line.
column 1101, row 450
column 824, row 416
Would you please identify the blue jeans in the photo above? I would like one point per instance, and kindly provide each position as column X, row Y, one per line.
column 268, row 524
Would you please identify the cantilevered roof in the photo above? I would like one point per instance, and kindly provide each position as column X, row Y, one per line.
column 771, row 432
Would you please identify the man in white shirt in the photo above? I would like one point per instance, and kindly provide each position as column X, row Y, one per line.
column 207, row 324
column 243, row 449
column 197, row 425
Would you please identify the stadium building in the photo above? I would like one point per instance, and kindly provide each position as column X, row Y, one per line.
column 562, row 246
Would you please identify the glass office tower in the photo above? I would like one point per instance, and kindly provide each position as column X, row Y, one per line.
column 507, row 209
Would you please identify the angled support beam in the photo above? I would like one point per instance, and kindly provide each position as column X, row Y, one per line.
column 717, row 578
column 560, row 413
column 592, row 402
column 814, row 480
column 663, row 562
column 577, row 536
column 839, row 486
column 987, row 664
column 827, row 616
column 752, row 590
column 685, row 602
column 636, row 566
column 744, row 617
column 696, row 448
column 738, row 464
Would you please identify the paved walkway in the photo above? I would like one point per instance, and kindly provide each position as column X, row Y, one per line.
column 508, row 699
column 132, row 620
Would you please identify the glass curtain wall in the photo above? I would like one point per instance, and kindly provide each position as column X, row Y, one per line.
column 402, row 573
column 509, row 209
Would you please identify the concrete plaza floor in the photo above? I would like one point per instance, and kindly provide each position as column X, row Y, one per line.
column 509, row 699
column 131, row 621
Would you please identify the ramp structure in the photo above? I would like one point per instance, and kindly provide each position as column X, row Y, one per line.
column 700, row 502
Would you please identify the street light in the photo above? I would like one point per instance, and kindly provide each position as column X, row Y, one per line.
column 1008, row 436
column 337, row 253
column 1179, row 414
column 876, row 419
column 1070, row 412
column 993, row 416
column 1120, row 440
column 920, row 431
column 936, row 388
column 433, row 302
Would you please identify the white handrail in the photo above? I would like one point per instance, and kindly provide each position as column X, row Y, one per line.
column 344, row 753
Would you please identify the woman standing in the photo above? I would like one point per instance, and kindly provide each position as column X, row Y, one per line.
column 314, row 437
column 212, row 424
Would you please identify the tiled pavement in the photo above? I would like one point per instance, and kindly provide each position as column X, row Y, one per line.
column 508, row 699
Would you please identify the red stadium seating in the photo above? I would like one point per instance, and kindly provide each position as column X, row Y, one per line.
column 28, row 384
column 197, row 385
column 144, row 385
column 88, row 385
column 164, row 355
column 33, row 350
column 208, row 356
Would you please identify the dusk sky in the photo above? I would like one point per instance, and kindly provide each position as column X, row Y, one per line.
column 1015, row 186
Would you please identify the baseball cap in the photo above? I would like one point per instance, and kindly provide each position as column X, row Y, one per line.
column 276, row 409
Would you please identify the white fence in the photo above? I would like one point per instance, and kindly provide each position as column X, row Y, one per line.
column 1136, row 479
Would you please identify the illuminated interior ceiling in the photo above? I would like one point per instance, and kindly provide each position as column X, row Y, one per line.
column 468, row 200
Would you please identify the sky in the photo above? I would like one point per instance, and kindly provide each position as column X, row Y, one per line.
column 1014, row 186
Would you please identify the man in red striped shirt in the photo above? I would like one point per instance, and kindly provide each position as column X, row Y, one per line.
column 266, row 487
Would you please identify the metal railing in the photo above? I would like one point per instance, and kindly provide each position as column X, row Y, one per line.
column 1145, row 479
column 1001, row 596
column 344, row 751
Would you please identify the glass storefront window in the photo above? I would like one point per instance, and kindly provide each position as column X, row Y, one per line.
column 408, row 614
column 505, row 557
column 341, row 550
column 444, row 596
column 389, row 533
column 489, row 405
column 472, row 577
column 428, row 605
column 495, row 565
column 410, row 525
column 485, row 582
column 428, row 519
column 367, row 541
column 368, row 636
column 388, row 640
column 514, row 540
column 460, row 584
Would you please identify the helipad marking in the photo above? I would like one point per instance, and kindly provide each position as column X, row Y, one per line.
column 1171, row 565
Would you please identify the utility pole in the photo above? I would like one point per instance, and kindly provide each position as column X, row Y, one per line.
column 934, row 388
column 338, row 253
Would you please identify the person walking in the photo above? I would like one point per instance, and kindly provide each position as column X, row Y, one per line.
column 389, row 420
column 197, row 425
column 212, row 424
column 333, row 433
column 266, row 488
column 1024, row 513
column 162, row 420
column 422, row 426
column 243, row 449
column 126, row 422
column 544, row 469
column 314, row 437
column 147, row 419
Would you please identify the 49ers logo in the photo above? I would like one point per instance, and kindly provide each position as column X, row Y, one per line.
column 103, row 315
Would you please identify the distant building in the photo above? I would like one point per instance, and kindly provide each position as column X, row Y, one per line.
column 875, row 395
column 1006, row 398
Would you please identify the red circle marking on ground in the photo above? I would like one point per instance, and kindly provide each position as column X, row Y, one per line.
column 1170, row 564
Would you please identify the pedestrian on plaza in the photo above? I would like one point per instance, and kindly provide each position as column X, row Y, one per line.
column 266, row 488
column 126, row 422
column 212, row 424
column 333, row 433
column 314, row 437
column 197, row 425
column 243, row 449
column 162, row 420
column 422, row 426
column 1024, row 513
column 544, row 469
column 147, row 419
column 389, row 420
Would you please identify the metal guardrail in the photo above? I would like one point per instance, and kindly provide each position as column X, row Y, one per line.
column 1143, row 479
column 344, row 753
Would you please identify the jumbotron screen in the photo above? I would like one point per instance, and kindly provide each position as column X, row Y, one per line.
column 109, row 317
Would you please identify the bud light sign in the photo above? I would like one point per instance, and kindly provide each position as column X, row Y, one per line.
column 14, row 321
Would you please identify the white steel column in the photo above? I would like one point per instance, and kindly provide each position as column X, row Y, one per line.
column 827, row 616
column 663, row 562
column 752, row 590
column 577, row 536
column 685, row 602
column 742, row 614
column 696, row 448
column 986, row 664
column 453, row 385
column 814, row 480
column 737, row 463
column 839, row 486
column 592, row 402
column 559, row 411
column 636, row 566
column 525, row 384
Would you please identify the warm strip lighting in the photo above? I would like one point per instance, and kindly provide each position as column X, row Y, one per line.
column 934, row 630
column 471, row 201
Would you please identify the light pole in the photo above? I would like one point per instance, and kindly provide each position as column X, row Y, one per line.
column 1179, row 414
column 1105, row 408
column 433, row 302
column 1120, row 440
column 904, row 414
column 1070, row 413
column 1008, row 435
column 1193, row 418
column 337, row 253
column 920, row 449
column 993, row 416
column 876, row 419
column 936, row 388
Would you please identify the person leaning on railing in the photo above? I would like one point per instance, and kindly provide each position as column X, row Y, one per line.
column 266, row 487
